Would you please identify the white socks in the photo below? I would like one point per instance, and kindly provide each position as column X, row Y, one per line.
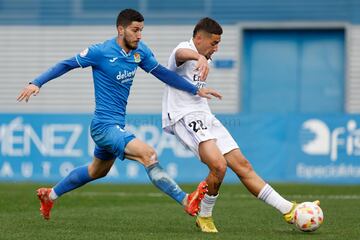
column 267, row 194
column 271, row 197
column 207, row 205
column 53, row 195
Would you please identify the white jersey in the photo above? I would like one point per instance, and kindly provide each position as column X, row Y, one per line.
column 177, row 103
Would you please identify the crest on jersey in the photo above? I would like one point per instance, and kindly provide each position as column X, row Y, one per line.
column 84, row 52
column 137, row 58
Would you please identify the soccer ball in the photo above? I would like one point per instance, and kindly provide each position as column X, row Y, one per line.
column 308, row 216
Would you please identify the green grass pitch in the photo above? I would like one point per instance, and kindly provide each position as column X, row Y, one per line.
column 104, row 211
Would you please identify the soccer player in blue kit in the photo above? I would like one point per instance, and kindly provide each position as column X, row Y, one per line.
column 114, row 63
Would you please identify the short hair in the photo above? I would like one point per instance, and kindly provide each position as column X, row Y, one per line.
column 127, row 16
column 208, row 25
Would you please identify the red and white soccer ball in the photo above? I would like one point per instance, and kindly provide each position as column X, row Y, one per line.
column 308, row 216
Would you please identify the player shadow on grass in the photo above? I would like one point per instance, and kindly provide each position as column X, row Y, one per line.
column 296, row 232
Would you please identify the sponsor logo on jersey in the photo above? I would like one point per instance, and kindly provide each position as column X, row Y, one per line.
column 126, row 76
column 197, row 82
column 84, row 52
column 196, row 77
column 200, row 84
column 113, row 59
column 137, row 58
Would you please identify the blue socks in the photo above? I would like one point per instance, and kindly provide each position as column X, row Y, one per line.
column 76, row 178
column 80, row 176
column 165, row 183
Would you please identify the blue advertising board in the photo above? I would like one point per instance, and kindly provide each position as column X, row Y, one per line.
column 281, row 147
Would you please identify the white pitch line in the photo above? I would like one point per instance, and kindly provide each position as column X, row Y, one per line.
column 119, row 194
column 223, row 195
column 333, row 197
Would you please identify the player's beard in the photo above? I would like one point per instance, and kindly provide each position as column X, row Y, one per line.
column 128, row 45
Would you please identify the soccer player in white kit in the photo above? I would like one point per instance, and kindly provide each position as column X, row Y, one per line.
column 189, row 118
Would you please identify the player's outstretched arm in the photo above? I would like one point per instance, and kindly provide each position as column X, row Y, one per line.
column 56, row 71
column 174, row 80
column 184, row 54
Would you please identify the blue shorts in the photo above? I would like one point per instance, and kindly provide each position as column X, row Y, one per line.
column 110, row 140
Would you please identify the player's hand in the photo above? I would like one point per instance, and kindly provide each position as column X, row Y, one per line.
column 202, row 66
column 26, row 93
column 208, row 92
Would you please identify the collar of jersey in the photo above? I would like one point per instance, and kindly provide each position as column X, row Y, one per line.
column 192, row 45
column 122, row 51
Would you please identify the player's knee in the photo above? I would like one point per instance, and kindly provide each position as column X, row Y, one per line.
column 246, row 165
column 148, row 157
column 219, row 168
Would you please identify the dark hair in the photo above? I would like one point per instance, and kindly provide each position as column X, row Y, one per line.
column 127, row 16
column 208, row 25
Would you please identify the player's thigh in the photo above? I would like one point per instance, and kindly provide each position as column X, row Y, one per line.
column 225, row 141
column 110, row 141
column 195, row 132
column 139, row 151
column 192, row 130
column 211, row 155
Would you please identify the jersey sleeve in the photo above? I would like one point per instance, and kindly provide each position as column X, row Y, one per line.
column 148, row 62
column 89, row 56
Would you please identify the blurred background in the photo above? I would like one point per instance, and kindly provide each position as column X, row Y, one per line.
column 289, row 72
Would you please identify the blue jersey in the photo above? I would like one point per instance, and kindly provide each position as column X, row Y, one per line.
column 113, row 73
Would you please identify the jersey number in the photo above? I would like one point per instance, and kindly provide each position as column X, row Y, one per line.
column 197, row 125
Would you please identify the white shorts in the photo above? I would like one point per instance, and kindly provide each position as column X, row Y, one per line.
column 197, row 127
